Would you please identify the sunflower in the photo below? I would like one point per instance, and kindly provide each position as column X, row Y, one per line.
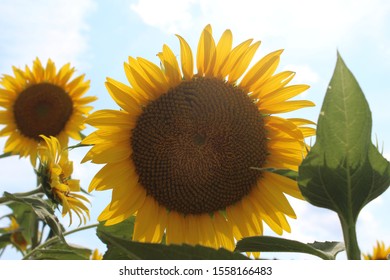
column 41, row 101
column 188, row 153
column 17, row 237
column 96, row 255
column 55, row 177
column 380, row 252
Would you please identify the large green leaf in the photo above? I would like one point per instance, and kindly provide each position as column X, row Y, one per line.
column 123, row 230
column 324, row 250
column 26, row 219
column 119, row 248
column 344, row 171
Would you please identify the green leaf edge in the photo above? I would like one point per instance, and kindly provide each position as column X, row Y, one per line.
column 278, row 244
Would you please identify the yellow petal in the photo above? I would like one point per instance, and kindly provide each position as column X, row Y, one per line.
column 113, row 175
column 280, row 127
column 109, row 117
column 187, row 62
column 223, row 231
column 112, row 218
column 64, row 74
column 284, row 184
column 234, row 57
column 282, row 94
column 275, row 197
column 155, row 75
column 126, row 97
column 109, row 152
column 38, row 70
column 150, row 222
column 74, row 185
column 272, row 84
column 141, row 82
column 261, row 71
column 6, row 117
column 191, row 230
column 171, row 67
column 266, row 214
column 284, row 107
column 175, row 228
column 242, row 63
column 222, row 51
column 128, row 204
column 239, row 227
column 205, row 58
column 298, row 121
column 206, row 231
column 50, row 71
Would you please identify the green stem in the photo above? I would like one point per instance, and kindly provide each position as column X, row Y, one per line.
column 33, row 192
column 78, row 146
column 350, row 238
column 56, row 239
column 6, row 155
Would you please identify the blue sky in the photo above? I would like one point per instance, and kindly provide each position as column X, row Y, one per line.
column 98, row 36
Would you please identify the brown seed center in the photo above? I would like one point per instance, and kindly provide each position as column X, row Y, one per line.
column 42, row 109
column 193, row 147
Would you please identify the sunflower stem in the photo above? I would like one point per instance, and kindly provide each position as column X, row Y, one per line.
column 24, row 194
column 56, row 239
column 350, row 238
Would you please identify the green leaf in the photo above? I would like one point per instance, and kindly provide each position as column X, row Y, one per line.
column 344, row 171
column 119, row 248
column 324, row 250
column 60, row 251
column 123, row 230
column 26, row 219
column 5, row 240
column 6, row 155
column 43, row 210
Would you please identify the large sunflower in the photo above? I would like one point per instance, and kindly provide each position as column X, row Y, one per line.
column 42, row 101
column 180, row 153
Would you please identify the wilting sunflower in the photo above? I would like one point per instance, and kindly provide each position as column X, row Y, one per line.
column 381, row 252
column 42, row 101
column 55, row 177
column 17, row 237
column 181, row 152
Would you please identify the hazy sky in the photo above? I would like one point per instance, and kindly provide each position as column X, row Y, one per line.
column 98, row 36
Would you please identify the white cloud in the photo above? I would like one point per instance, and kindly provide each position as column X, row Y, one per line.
column 170, row 15
column 302, row 23
column 43, row 28
column 304, row 74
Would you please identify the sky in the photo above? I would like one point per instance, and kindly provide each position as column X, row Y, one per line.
column 98, row 36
